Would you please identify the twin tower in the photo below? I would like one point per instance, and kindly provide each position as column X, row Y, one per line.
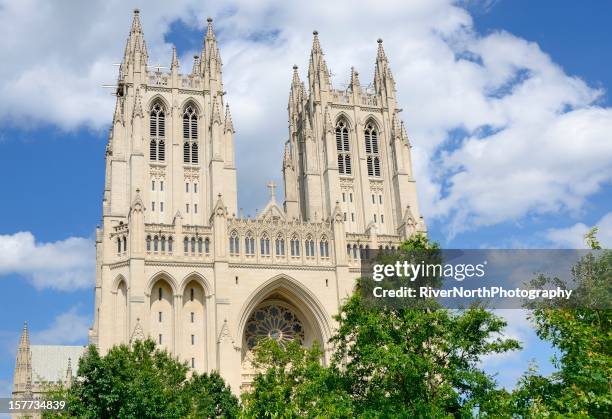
column 175, row 263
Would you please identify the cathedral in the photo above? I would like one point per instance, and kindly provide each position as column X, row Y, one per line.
column 175, row 261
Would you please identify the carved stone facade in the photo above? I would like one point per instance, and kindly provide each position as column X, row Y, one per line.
column 175, row 262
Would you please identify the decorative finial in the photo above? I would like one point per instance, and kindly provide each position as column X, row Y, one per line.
column 315, row 32
column 379, row 40
column 209, row 19
column 295, row 67
column 195, row 57
column 136, row 11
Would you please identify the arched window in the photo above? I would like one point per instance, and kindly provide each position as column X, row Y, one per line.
column 155, row 243
column 148, row 243
column 118, row 244
column 186, row 245
column 234, row 243
column 190, row 135
column 249, row 244
column 264, row 243
column 125, row 244
column 343, row 148
column 163, row 243
column 170, row 244
column 372, row 151
column 200, row 245
column 207, row 245
column 193, row 242
column 157, row 132
column 295, row 246
column 309, row 245
column 280, row 246
column 324, row 247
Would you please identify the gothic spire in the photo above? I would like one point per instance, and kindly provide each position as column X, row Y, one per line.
column 136, row 26
column 210, row 33
column 383, row 79
column 295, row 81
column 211, row 58
column 135, row 42
column 318, row 74
column 229, row 125
column 380, row 55
column 23, row 363
column 316, row 45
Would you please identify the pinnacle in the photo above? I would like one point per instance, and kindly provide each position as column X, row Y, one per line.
column 175, row 62
column 136, row 26
column 210, row 33
column 135, row 42
column 296, row 75
column 316, row 45
column 355, row 79
column 196, row 65
column 381, row 56
column 229, row 125
column 25, row 337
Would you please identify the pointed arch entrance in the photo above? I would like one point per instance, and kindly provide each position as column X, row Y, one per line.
column 282, row 309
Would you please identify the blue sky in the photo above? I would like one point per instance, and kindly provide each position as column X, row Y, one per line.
column 547, row 61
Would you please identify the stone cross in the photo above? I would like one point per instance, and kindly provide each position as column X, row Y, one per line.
column 272, row 187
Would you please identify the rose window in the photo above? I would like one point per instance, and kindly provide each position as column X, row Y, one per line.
column 275, row 322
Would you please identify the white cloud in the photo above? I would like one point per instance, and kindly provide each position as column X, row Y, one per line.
column 63, row 265
column 69, row 327
column 573, row 237
column 535, row 142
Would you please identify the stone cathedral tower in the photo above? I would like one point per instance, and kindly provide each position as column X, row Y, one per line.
column 349, row 146
column 173, row 260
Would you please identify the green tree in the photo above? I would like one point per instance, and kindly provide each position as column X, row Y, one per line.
column 580, row 329
column 388, row 362
column 293, row 382
column 143, row 382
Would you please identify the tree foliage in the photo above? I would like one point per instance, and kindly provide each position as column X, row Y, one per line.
column 580, row 329
column 144, row 382
column 388, row 362
column 293, row 382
